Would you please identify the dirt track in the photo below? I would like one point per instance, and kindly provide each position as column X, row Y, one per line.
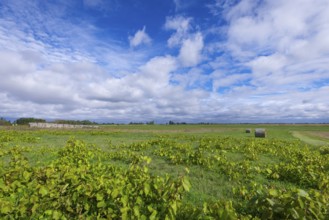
column 322, row 134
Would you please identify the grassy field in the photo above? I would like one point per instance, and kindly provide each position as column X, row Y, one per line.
column 225, row 163
column 131, row 133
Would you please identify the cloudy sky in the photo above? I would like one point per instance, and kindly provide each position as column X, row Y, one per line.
column 181, row 60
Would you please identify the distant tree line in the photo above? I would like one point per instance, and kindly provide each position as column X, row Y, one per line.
column 185, row 123
column 142, row 123
column 4, row 122
column 75, row 122
column 136, row 123
column 176, row 123
column 26, row 121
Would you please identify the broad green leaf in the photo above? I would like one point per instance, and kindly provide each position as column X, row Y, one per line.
column 124, row 212
column 186, row 184
column 86, row 206
column 43, row 191
column 146, row 188
column 294, row 213
column 300, row 202
column 302, row 193
column 27, row 175
column 273, row 192
column 101, row 204
column 150, row 208
column 269, row 171
column 34, row 208
column 136, row 211
column 174, row 207
column 49, row 212
column 270, row 201
column 99, row 197
column 5, row 209
column 56, row 215
column 153, row 215
column 124, row 200
column 115, row 193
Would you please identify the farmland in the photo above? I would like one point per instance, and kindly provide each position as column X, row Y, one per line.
column 165, row 172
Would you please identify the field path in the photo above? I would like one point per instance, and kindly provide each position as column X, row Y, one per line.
column 310, row 138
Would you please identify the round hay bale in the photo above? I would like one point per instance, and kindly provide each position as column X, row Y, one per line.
column 260, row 132
column 248, row 130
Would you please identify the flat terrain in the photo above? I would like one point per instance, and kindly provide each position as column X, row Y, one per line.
column 227, row 167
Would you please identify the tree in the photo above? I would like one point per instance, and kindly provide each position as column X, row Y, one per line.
column 4, row 122
column 26, row 121
column 74, row 122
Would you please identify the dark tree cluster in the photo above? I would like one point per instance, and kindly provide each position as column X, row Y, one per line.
column 75, row 122
column 142, row 123
column 4, row 122
column 26, row 121
column 176, row 123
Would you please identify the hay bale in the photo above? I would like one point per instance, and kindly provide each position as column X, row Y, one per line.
column 260, row 132
column 248, row 130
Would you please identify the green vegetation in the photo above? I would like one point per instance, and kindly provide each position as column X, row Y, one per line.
column 26, row 121
column 313, row 140
column 164, row 172
column 4, row 122
column 74, row 122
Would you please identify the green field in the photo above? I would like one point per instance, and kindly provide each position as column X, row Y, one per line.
column 165, row 171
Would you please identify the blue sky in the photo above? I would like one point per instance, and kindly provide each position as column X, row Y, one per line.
column 181, row 60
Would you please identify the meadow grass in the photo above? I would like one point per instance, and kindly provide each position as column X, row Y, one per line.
column 208, row 184
column 50, row 140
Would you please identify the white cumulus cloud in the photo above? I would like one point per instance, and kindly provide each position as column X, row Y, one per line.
column 140, row 37
column 190, row 52
column 181, row 26
column 268, row 63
